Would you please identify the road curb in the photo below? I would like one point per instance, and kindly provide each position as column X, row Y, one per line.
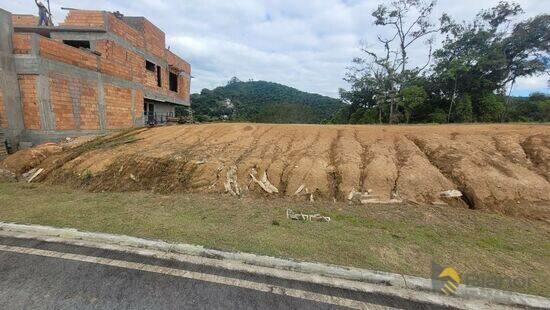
column 476, row 297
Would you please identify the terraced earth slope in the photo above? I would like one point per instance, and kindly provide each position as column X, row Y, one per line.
column 502, row 168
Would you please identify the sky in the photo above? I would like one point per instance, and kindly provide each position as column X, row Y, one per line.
column 304, row 44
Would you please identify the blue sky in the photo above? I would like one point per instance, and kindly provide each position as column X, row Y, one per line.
column 303, row 44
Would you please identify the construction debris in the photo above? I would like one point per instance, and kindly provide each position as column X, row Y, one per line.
column 7, row 176
column 3, row 146
column 218, row 175
column 231, row 185
column 299, row 190
column 378, row 201
column 27, row 175
column 453, row 193
column 263, row 182
column 35, row 174
column 369, row 198
column 306, row 217
column 306, row 193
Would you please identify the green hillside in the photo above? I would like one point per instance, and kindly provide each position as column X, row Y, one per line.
column 263, row 102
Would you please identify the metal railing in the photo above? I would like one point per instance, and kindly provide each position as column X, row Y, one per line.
column 153, row 118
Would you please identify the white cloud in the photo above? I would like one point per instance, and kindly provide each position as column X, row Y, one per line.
column 304, row 44
column 526, row 85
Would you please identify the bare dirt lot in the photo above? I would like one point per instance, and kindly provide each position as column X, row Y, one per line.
column 502, row 168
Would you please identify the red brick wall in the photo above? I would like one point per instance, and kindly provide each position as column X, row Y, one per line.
column 139, row 104
column 151, row 79
column 118, row 106
column 61, row 52
column 84, row 18
column 183, row 82
column 164, row 80
column 184, row 90
column 3, row 116
column 137, row 64
column 155, row 39
column 174, row 60
column 27, row 87
column 21, row 43
column 24, row 20
column 89, row 118
column 123, row 30
column 61, row 102
column 114, row 59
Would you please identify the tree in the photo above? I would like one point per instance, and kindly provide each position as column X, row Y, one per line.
column 260, row 101
column 535, row 108
column 485, row 57
column 490, row 108
column 527, row 50
column 463, row 112
column 412, row 98
column 384, row 74
column 406, row 29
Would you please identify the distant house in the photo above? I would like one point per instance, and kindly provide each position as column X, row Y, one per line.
column 94, row 73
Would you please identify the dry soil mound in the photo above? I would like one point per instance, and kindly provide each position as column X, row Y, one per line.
column 502, row 168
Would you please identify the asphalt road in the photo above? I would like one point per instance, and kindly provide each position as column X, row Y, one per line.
column 43, row 275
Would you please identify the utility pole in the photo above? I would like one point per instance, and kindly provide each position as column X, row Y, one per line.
column 50, row 13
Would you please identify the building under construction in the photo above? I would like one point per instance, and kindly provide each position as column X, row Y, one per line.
column 95, row 72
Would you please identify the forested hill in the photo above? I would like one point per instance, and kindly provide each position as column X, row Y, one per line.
column 260, row 101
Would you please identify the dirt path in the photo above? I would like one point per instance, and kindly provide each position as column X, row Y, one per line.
column 503, row 168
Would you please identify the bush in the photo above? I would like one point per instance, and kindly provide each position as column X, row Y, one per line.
column 201, row 118
column 439, row 117
column 463, row 111
column 490, row 108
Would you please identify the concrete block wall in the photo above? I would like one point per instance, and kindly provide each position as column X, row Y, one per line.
column 11, row 109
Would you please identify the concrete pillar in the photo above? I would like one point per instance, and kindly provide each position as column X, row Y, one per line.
column 101, row 103
column 45, row 108
column 9, row 83
column 133, row 111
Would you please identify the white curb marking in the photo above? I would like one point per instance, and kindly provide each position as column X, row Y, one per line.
column 262, row 287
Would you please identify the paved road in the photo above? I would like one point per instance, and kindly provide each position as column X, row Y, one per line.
column 43, row 275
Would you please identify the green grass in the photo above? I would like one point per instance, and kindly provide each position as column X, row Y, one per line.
column 402, row 239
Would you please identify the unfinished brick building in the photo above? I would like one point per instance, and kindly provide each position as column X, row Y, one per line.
column 94, row 73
